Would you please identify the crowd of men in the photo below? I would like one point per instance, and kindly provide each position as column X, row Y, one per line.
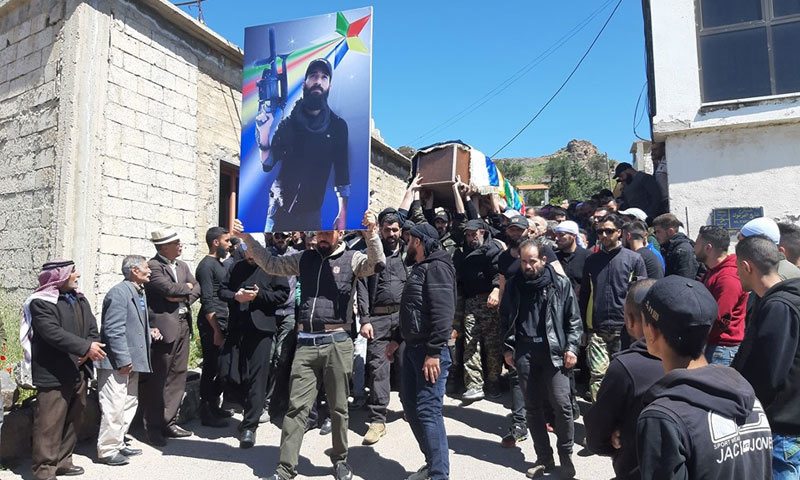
column 608, row 293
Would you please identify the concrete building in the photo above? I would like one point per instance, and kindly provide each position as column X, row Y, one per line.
column 117, row 118
column 724, row 95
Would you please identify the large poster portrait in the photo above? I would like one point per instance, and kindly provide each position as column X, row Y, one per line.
column 306, row 123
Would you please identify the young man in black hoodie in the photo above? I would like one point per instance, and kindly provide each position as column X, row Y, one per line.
column 611, row 421
column 700, row 421
column 769, row 356
column 426, row 322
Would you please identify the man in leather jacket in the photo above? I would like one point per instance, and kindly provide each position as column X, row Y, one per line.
column 542, row 324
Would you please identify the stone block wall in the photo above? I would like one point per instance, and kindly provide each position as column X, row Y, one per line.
column 30, row 63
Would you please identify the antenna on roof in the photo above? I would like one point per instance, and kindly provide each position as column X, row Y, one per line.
column 195, row 3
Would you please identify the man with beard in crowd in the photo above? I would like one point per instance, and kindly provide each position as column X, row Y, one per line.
column 310, row 142
column 509, row 265
column 641, row 190
column 382, row 293
column 476, row 265
column 212, row 325
column 426, row 320
column 541, row 326
column 570, row 255
column 253, row 298
column 676, row 247
column 722, row 280
column 607, row 275
column 327, row 274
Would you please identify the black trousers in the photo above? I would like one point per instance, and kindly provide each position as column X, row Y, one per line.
column 162, row 390
column 545, row 384
column 210, row 383
column 256, row 350
column 378, row 366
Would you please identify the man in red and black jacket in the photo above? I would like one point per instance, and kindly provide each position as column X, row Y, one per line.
column 722, row 280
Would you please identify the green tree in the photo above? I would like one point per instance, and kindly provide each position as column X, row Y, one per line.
column 571, row 179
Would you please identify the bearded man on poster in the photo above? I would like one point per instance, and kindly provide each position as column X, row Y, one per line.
column 307, row 144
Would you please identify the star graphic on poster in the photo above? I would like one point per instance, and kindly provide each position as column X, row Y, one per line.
column 350, row 32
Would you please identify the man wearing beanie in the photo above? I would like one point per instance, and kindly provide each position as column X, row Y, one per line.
column 307, row 144
column 769, row 228
column 426, row 321
column 700, row 421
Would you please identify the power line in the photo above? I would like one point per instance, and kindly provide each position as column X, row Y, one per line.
column 513, row 78
column 637, row 114
column 586, row 54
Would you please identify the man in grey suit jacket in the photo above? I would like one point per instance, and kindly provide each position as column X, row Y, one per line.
column 125, row 329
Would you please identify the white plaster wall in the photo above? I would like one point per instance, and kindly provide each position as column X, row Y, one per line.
column 744, row 167
column 677, row 80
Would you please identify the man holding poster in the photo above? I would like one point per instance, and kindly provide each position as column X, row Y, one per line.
column 306, row 145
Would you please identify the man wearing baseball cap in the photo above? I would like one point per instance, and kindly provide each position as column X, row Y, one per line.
column 307, row 144
column 476, row 263
column 700, row 421
column 641, row 190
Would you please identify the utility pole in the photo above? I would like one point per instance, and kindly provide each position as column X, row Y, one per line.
column 198, row 4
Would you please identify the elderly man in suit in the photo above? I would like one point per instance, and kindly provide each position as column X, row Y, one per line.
column 170, row 291
column 61, row 335
column 126, row 332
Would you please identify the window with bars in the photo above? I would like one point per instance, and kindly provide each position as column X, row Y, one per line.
column 748, row 48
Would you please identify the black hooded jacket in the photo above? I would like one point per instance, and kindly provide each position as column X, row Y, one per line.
column 679, row 257
column 630, row 375
column 704, row 424
column 769, row 357
column 429, row 303
column 478, row 271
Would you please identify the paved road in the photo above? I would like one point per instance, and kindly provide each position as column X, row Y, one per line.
column 474, row 434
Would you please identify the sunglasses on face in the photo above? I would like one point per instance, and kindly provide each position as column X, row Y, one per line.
column 606, row 231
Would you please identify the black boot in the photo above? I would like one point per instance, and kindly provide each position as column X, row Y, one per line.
column 208, row 418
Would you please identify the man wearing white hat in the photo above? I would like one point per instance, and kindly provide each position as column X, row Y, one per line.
column 769, row 228
column 170, row 292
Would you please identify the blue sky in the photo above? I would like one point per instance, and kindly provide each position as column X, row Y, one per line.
column 432, row 59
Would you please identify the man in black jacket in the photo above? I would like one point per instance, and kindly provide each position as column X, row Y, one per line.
column 769, row 356
column 677, row 248
column 641, row 190
column 611, row 421
column 253, row 296
column 426, row 322
column 542, row 326
column 382, row 293
column 606, row 277
column 327, row 274
column 307, row 145
column 476, row 264
column 64, row 343
column 212, row 325
column 701, row 421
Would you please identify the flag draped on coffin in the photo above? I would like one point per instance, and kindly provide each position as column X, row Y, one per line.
column 504, row 187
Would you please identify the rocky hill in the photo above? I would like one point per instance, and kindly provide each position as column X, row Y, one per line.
column 531, row 169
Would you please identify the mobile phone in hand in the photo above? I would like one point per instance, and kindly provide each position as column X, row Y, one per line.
column 249, row 288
